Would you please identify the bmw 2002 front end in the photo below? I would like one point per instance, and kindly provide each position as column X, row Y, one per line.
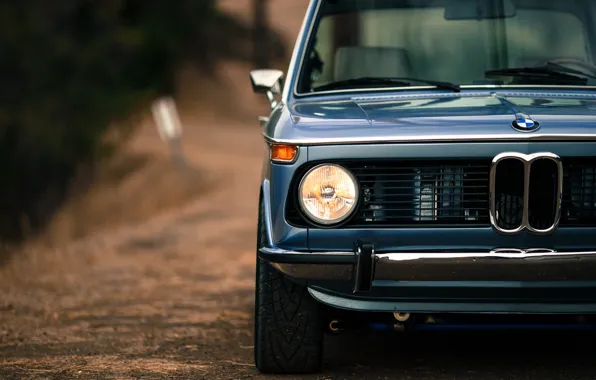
column 426, row 158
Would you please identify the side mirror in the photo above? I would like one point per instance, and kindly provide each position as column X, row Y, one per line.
column 263, row 121
column 267, row 81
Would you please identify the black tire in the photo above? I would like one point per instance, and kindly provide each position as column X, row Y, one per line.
column 288, row 335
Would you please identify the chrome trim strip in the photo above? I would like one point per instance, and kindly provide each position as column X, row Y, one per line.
column 520, row 255
column 267, row 212
column 516, row 250
column 499, row 253
column 414, row 88
column 501, row 94
column 487, row 266
column 433, row 138
column 527, row 160
column 300, row 50
column 280, row 251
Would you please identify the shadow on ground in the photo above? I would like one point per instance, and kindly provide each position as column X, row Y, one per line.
column 464, row 356
column 175, row 347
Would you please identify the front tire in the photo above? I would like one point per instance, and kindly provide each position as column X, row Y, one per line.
column 288, row 336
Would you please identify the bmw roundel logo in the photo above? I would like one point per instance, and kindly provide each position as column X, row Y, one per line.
column 525, row 124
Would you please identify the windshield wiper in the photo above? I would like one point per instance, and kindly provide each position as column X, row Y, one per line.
column 550, row 70
column 372, row 81
column 567, row 70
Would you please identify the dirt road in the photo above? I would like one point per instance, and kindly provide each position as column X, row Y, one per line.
column 172, row 298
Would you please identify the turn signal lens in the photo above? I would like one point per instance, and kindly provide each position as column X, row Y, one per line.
column 282, row 152
column 328, row 194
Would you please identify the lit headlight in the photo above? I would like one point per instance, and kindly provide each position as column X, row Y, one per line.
column 328, row 194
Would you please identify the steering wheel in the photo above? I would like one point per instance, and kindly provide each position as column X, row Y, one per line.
column 580, row 65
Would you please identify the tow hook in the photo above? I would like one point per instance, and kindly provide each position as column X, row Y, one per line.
column 335, row 326
column 400, row 321
column 401, row 317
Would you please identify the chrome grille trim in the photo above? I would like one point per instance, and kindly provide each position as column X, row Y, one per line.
column 527, row 160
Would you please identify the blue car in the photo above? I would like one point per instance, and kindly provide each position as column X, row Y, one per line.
column 426, row 159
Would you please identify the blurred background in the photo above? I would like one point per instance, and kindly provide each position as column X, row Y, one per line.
column 114, row 255
column 79, row 79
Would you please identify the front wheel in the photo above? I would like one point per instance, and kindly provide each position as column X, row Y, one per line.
column 288, row 336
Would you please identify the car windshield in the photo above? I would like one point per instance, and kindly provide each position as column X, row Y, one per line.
column 377, row 44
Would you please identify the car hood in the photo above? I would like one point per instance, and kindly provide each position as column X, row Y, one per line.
column 439, row 117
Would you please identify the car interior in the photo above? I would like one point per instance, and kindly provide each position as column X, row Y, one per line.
column 434, row 42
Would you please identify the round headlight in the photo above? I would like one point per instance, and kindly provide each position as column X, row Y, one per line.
column 328, row 194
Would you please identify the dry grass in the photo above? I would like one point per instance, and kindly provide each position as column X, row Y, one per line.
column 128, row 189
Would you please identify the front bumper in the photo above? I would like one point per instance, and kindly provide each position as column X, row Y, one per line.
column 534, row 282
column 532, row 265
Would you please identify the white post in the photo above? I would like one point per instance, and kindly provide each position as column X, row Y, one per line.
column 169, row 126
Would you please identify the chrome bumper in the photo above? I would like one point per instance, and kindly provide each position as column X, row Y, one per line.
column 363, row 266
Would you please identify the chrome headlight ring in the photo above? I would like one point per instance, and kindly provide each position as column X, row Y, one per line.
column 332, row 197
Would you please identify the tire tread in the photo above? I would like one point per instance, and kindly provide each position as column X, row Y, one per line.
column 288, row 326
